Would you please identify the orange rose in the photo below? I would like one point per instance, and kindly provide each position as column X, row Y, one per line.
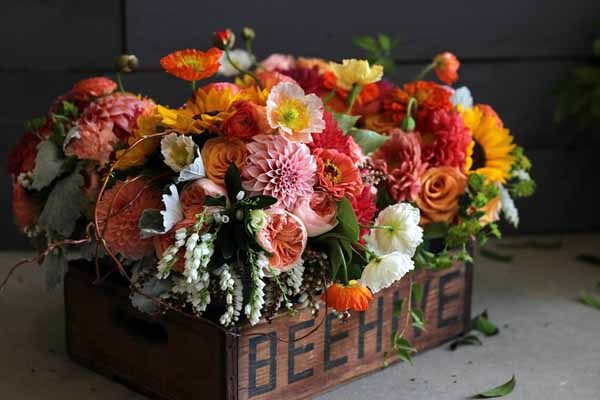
column 380, row 123
column 248, row 120
column 284, row 237
column 438, row 200
column 193, row 196
column 218, row 154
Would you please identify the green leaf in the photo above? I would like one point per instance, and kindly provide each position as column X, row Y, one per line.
column 233, row 181
column 63, row 206
column 435, row 230
column 347, row 222
column 215, row 201
column 596, row 47
column 48, row 164
column 35, row 124
column 384, row 42
column 476, row 182
column 590, row 300
column 69, row 110
column 335, row 257
column 151, row 223
column 492, row 255
column 366, row 43
column 468, row 340
column 369, row 141
column 55, row 265
column 417, row 291
column 260, row 201
column 418, row 319
column 398, row 308
column 345, row 122
column 499, row 391
column 482, row 324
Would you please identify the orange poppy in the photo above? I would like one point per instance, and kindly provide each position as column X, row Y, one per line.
column 192, row 65
column 446, row 67
column 352, row 296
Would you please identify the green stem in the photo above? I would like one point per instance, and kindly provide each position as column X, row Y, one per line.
column 248, row 45
column 424, row 71
column 120, row 83
column 242, row 71
column 352, row 96
column 193, row 86
column 344, row 265
column 329, row 97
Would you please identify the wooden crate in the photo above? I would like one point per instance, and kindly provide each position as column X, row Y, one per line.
column 173, row 357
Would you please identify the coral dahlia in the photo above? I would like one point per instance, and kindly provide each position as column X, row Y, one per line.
column 429, row 95
column 279, row 168
column 445, row 139
column 119, row 211
column 87, row 89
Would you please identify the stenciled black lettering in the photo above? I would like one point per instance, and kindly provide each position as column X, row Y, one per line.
column 364, row 327
column 294, row 351
column 444, row 298
column 254, row 364
column 329, row 340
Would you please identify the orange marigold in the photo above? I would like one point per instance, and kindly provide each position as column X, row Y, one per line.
column 352, row 296
column 429, row 95
column 191, row 64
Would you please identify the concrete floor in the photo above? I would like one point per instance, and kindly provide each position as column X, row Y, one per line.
column 547, row 339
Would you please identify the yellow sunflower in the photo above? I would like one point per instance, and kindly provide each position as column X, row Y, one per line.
column 492, row 144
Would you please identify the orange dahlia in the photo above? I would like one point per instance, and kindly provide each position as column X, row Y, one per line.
column 191, row 64
column 337, row 174
column 429, row 95
column 90, row 88
column 352, row 296
column 119, row 212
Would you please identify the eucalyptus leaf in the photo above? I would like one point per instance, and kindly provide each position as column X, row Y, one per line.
column 192, row 172
column 369, row 141
column 151, row 223
column 345, row 122
column 48, row 164
column 63, row 206
column 468, row 340
column 498, row 391
column 55, row 265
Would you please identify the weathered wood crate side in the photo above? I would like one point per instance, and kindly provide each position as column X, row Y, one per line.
column 275, row 366
column 172, row 357
column 169, row 357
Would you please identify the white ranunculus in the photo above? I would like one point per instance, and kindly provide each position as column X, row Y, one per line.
column 179, row 151
column 462, row 97
column 396, row 229
column 240, row 57
column 509, row 209
column 383, row 271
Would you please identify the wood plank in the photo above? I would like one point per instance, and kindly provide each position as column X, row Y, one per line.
column 510, row 28
column 59, row 34
column 274, row 364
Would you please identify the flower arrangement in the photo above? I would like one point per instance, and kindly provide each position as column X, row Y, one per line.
column 301, row 181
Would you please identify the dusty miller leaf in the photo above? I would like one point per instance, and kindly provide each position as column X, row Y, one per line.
column 63, row 206
column 153, row 287
column 55, row 264
column 151, row 223
column 48, row 164
column 192, row 172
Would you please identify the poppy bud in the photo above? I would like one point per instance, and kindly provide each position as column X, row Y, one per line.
column 224, row 39
column 127, row 63
column 248, row 33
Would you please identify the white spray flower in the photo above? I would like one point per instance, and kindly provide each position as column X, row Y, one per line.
column 509, row 209
column 396, row 230
column 240, row 57
column 462, row 97
column 383, row 271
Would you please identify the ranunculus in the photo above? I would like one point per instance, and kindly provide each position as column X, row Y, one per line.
column 193, row 196
column 22, row 158
column 26, row 209
column 218, row 154
column 380, row 123
column 402, row 155
column 248, row 120
column 337, row 174
column 284, row 237
column 396, row 229
column 383, row 271
column 440, row 192
column 318, row 213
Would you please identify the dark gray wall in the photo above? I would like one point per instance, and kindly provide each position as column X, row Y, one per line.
column 513, row 53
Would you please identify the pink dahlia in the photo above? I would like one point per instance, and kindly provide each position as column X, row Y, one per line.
column 279, row 168
column 403, row 160
column 117, row 112
column 333, row 138
column 445, row 138
column 125, row 202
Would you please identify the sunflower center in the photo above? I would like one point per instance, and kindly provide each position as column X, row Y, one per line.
column 332, row 172
column 478, row 156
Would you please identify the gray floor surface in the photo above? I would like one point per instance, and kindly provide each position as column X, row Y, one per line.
column 548, row 340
